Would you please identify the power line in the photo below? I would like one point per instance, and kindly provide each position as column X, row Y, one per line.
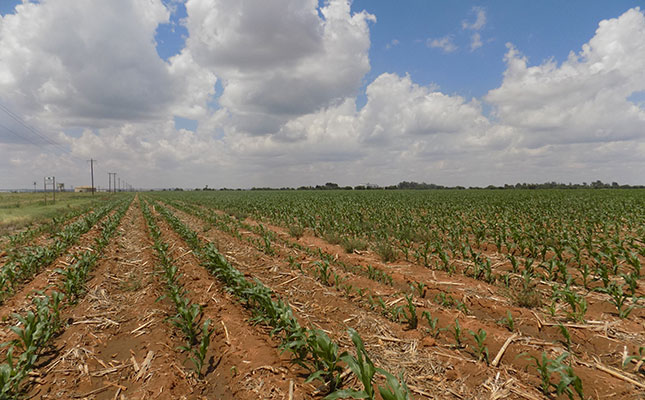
column 18, row 135
column 33, row 130
column 22, row 122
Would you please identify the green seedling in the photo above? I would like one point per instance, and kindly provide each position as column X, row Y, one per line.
column 362, row 367
column 576, row 302
column 296, row 231
column 420, row 288
column 323, row 272
column 618, row 298
column 444, row 300
column 461, row 307
column 546, row 367
column 395, row 389
column 410, row 313
column 432, row 324
column 326, row 360
column 638, row 358
column 199, row 352
column 565, row 334
column 456, row 331
column 508, row 321
column 481, row 351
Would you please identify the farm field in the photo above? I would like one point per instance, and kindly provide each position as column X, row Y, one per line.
column 476, row 294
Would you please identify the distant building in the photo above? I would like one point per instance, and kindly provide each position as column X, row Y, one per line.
column 83, row 189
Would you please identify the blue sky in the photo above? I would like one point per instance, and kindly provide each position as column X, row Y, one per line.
column 539, row 29
column 273, row 93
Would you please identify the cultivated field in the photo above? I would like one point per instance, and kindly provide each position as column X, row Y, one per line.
column 347, row 294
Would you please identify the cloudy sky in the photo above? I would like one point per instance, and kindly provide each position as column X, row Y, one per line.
column 299, row 92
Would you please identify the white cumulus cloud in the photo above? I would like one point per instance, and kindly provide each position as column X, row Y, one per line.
column 85, row 61
column 280, row 59
column 584, row 99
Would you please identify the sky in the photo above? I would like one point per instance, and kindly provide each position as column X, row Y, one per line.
column 229, row 93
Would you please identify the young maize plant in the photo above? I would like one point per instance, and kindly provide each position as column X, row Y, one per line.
column 481, row 351
column 639, row 359
column 189, row 315
column 325, row 359
column 576, row 302
column 394, row 389
column 619, row 298
column 546, row 367
column 33, row 331
column 456, row 331
column 364, row 370
column 310, row 348
column 566, row 335
column 410, row 313
column 433, row 330
column 508, row 321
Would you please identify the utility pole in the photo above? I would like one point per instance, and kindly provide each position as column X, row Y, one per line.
column 92, row 172
column 113, row 176
column 109, row 182
column 119, row 184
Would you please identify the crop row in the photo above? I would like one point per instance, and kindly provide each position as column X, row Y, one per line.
column 189, row 315
column 39, row 325
column 24, row 264
column 312, row 349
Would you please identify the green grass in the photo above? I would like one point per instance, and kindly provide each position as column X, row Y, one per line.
column 18, row 210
